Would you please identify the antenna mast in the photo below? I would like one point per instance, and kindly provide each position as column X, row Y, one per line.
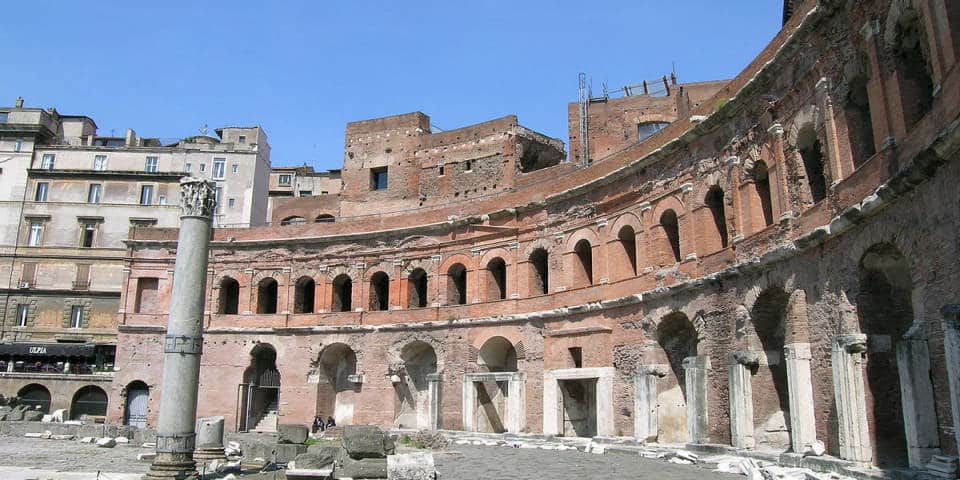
column 584, row 139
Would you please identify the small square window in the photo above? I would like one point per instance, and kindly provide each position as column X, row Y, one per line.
column 235, row 168
column 162, row 199
column 188, row 167
column 203, row 167
column 219, row 168
column 284, row 180
column 18, row 145
column 242, row 139
column 231, row 202
column 468, row 166
column 3, row 117
column 152, row 164
column 378, row 178
column 576, row 354
column 306, row 193
column 440, row 169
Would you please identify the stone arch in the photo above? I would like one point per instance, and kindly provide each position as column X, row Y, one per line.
column 668, row 236
column 228, row 302
column 813, row 160
column 582, row 261
column 536, row 258
column 339, row 385
column 497, row 354
column 856, row 110
column 35, row 396
column 759, row 199
column 293, row 220
column 455, row 279
column 714, row 202
column 771, row 402
column 89, row 400
column 341, row 293
column 418, row 364
column 908, row 47
column 496, row 279
column 678, row 340
column 260, row 392
column 324, row 218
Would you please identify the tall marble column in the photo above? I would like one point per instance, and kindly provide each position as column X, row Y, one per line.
column 803, row 427
column 696, row 372
column 741, row 368
column 183, row 343
column 645, row 422
column 434, row 392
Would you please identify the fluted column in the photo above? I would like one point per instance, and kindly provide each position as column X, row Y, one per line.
column 183, row 343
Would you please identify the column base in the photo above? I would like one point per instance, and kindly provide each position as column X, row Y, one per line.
column 209, row 454
column 172, row 467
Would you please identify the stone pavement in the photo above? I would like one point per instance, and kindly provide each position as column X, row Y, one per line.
column 508, row 463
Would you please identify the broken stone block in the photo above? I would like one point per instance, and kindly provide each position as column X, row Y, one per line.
column 315, row 458
column 121, row 439
column 106, row 442
column 292, row 433
column 146, row 456
column 33, row 435
column 348, row 467
column 286, row 452
column 87, row 440
column 61, row 437
column 46, row 434
column 411, row 466
column 365, row 441
column 16, row 414
column 32, row 416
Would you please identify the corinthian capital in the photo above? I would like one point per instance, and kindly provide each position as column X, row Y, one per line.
column 198, row 197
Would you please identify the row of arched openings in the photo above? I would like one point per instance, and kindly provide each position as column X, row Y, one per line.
column 297, row 220
column 90, row 400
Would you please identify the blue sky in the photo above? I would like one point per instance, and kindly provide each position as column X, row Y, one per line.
column 302, row 69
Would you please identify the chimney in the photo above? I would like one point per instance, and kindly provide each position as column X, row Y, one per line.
column 131, row 140
column 19, row 103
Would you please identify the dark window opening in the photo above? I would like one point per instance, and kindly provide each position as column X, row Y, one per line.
column 325, row 218
column 540, row 269
column 761, row 183
column 378, row 178
column 671, row 230
column 267, row 296
column 457, row 284
column 576, row 355
column 418, row 288
column 497, row 276
column 584, row 257
column 812, row 155
column 146, row 301
column 229, row 296
column 379, row 291
column 647, row 129
column 342, row 300
column 913, row 69
column 714, row 202
column 304, row 295
column 628, row 241
column 859, row 123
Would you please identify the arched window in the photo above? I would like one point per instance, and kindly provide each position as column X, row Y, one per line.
column 267, row 296
column 90, row 400
column 379, row 291
column 714, row 202
column 859, row 122
column 304, row 295
column 627, row 239
column 671, row 232
column 583, row 263
column 808, row 144
column 539, row 272
column 909, row 50
column 417, row 286
column 761, row 186
column 325, row 218
column 342, row 294
column 229, row 296
column 293, row 221
column 457, row 284
column 496, row 279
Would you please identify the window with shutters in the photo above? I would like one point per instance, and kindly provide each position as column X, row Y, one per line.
column 23, row 313
column 29, row 273
column 76, row 316
column 82, row 281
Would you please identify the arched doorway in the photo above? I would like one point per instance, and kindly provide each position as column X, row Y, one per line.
column 35, row 395
column 135, row 410
column 337, row 388
column 496, row 363
column 412, row 405
column 304, row 292
column 885, row 315
column 88, row 401
column 771, row 401
column 260, row 391
column 342, row 294
column 267, row 296
column 678, row 341
column 229, row 296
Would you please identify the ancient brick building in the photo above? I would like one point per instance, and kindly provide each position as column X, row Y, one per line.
column 772, row 269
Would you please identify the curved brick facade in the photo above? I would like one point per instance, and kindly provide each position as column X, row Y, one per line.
column 768, row 271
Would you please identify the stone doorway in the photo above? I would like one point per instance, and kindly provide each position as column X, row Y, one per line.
column 339, row 384
column 416, row 384
column 578, row 402
column 493, row 402
column 259, row 394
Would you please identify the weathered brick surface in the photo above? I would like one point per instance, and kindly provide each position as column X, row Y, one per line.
column 792, row 270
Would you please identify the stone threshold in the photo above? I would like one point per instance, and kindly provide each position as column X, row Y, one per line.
column 630, row 446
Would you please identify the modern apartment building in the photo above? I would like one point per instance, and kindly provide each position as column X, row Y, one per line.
column 68, row 199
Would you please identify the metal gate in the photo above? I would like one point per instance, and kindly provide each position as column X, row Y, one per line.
column 136, row 413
